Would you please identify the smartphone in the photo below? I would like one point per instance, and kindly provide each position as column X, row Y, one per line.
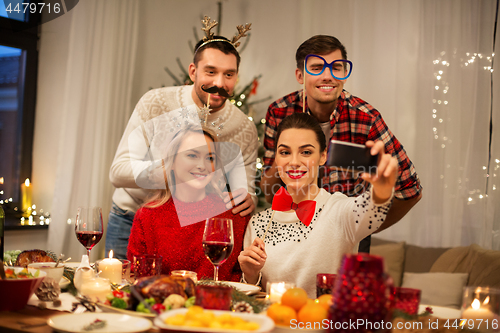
column 352, row 157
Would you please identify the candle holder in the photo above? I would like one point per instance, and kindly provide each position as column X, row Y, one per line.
column 97, row 289
column 147, row 265
column 276, row 289
column 325, row 283
column 192, row 275
column 481, row 309
column 407, row 300
column 363, row 292
column 213, row 297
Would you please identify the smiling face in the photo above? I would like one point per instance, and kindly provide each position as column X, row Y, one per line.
column 194, row 165
column 324, row 88
column 214, row 68
column 298, row 156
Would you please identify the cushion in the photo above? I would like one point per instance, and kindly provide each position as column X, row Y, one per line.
column 420, row 259
column 440, row 289
column 482, row 265
column 394, row 255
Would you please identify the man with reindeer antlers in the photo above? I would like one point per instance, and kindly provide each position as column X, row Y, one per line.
column 214, row 71
column 322, row 69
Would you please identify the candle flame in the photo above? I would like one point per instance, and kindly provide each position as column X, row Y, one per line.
column 486, row 300
column 110, row 254
column 27, row 182
column 476, row 304
column 1, row 180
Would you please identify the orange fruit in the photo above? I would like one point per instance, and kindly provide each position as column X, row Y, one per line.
column 281, row 314
column 295, row 298
column 312, row 313
column 325, row 301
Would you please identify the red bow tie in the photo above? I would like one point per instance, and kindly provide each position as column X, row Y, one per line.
column 283, row 202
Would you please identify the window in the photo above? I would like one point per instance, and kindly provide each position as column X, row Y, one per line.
column 18, row 73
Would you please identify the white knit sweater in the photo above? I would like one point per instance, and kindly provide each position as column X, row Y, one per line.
column 296, row 253
column 230, row 124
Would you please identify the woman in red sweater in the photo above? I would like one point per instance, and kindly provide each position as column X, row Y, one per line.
column 171, row 223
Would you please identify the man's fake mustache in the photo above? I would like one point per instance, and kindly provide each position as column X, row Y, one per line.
column 216, row 90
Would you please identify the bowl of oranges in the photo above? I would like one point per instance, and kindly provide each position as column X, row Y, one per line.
column 296, row 312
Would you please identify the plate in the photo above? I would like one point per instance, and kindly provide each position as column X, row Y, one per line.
column 266, row 324
column 284, row 329
column 441, row 311
column 116, row 323
column 248, row 289
column 110, row 309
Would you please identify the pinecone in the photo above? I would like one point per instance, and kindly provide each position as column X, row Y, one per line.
column 48, row 290
column 242, row 306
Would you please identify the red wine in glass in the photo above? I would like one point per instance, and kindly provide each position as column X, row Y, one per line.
column 218, row 241
column 88, row 227
column 89, row 238
column 217, row 252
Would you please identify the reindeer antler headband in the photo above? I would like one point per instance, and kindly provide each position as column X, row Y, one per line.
column 209, row 38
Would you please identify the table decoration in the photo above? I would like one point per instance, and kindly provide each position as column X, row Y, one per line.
column 406, row 299
column 481, row 309
column 192, row 275
column 97, row 289
column 215, row 297
column 276, row 289
column 147, row 265
column 325, row 283
column 362, row 286
column 111, row 268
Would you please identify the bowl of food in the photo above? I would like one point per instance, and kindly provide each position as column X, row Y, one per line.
column 50, row 268
column 17, row 289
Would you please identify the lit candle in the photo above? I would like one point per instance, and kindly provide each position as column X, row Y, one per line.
column 111, row 269
column 1, row 180
column 26, row 193
column 482, row 317
column 276, row 290
column 96, row 289
column 189, row 274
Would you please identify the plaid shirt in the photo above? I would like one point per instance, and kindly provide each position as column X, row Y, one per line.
column 355, row 121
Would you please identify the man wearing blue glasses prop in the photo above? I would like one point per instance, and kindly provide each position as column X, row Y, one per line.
column 322, row 69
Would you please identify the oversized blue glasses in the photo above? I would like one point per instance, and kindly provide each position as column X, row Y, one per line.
column 340, row 69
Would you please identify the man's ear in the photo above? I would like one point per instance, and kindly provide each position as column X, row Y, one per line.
column 299, row 76
column 192, row 71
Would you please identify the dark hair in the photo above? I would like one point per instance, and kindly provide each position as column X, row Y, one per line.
column 302, row 121
column 320, row 45
column 224, row 47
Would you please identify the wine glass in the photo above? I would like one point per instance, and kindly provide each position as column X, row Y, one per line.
column 218, row 241
column 88, row 227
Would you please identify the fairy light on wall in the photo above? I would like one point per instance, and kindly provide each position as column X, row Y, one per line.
column 440, row 103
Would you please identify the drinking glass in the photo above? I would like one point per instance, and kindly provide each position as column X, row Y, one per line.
column 88, row 227
column 218, row 241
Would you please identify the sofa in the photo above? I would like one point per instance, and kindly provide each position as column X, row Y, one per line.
column 440, row 273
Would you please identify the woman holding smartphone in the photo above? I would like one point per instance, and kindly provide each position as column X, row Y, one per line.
column 308, row 230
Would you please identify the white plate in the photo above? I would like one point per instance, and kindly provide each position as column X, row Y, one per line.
column 283, row 329
column 115, row 323
column 441, row 311
column 248, row 289
column 266, row 324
